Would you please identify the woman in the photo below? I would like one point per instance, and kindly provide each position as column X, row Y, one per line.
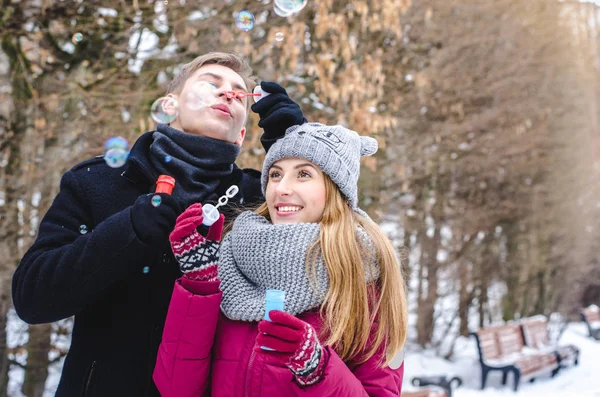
column 345, row 308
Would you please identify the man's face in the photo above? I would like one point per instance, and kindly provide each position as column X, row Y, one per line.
column 225, row 119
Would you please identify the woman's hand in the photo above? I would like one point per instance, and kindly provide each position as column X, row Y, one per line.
column 295, row 344
column 196, row 254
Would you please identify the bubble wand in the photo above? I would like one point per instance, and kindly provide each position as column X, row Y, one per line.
column 257, row 94
column 210, row 212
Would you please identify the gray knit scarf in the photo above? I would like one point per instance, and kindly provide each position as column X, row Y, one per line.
column 258, row 255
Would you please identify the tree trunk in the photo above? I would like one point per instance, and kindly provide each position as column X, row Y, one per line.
column 464, row 297
column 37, row 360
column 427, row 303
column 514, row 263
column 17, row 177
column 483, row 300
column 5, row 304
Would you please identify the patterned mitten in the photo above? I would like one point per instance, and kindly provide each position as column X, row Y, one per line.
column 295, row 344
column 197, row 255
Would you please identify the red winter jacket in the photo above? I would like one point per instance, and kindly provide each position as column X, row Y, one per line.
column 204, row 354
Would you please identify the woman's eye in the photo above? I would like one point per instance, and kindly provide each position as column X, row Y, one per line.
column 304, row 174
column 274, row 174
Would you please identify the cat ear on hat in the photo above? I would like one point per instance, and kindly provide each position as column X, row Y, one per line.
column 368, row 146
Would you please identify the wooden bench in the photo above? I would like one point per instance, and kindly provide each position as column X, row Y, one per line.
column 591, row 317
column 535, row 335
column 501, row 348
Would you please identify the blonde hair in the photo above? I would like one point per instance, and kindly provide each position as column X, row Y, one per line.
column 232, row 61
column 352, row 306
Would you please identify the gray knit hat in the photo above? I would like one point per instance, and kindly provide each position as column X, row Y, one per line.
column 334, row 149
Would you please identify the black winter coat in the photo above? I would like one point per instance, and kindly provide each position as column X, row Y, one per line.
column 88, row 262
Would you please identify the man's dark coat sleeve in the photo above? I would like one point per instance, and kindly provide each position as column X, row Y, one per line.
column 64, row 270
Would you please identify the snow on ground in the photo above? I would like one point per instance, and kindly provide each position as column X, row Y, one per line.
column 579, row 381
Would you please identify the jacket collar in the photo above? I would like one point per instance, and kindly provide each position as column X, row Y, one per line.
column 138, row 168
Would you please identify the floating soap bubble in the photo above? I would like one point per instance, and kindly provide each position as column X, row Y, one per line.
column 116, row 157
column 286, row 8
column 77, row 37
column 83, row 229
column 164, row 110
column 290, row 6
column 168, row 158
column 116, row 142
column 146, row 269
column 202, row 94
column 156, row 200
column 279, row 36
column 244, row 20
column 281, row 12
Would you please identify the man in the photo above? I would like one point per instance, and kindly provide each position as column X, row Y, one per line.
column 102, row 252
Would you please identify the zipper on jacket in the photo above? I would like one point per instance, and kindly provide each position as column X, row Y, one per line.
column 248, row 377
column 88, row 381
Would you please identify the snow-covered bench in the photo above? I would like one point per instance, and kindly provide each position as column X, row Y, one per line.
column 535, row 333
column 591, row 317
column 501, row 348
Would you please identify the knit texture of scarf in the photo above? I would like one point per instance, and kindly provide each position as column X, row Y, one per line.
column 258, row 255
column 197, row 163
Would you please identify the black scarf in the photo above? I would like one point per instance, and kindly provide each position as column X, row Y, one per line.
column 197, row 163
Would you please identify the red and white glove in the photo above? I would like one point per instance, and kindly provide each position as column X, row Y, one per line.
column 295, row 344
column 198, row 256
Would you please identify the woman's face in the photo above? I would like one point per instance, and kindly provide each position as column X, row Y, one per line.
column 295, row 192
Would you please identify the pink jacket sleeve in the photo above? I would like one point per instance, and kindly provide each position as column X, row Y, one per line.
column 188, row 334
column 363, row 380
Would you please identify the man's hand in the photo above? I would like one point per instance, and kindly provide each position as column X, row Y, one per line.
column 277, row 113
column 153, row 224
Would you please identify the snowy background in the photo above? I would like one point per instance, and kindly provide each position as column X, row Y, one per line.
column 580, row 381
column 573, row 381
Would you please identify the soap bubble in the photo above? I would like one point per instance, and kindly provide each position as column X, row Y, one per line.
column 116, row 151
column 281, row 12
column 289, row 6
column 279, row 36
column 202, row 94
column 156, row 200
column 116, row 157
column 116, row 142
column 244, row 20
column 168, row 158
column 164, row 110
column 146, row 269
column 77, row 37
column 83, row 229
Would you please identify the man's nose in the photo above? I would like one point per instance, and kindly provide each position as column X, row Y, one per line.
column 224, row 90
